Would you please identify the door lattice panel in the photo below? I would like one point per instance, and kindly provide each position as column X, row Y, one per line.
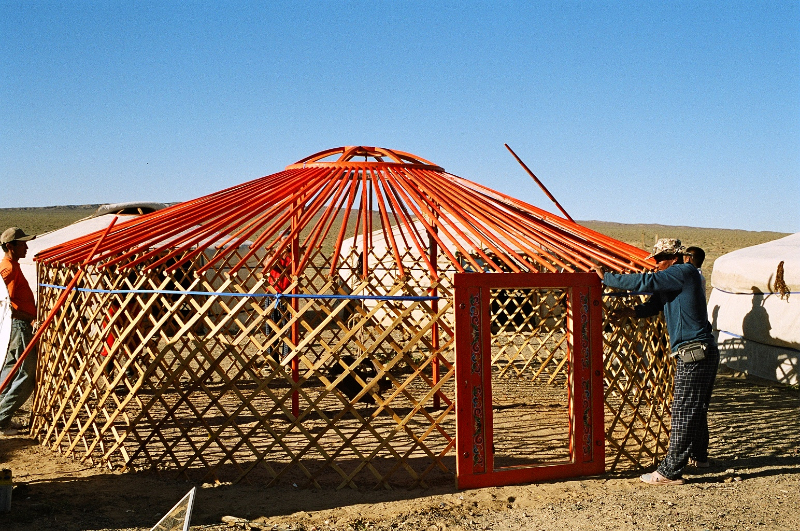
column 529, row 328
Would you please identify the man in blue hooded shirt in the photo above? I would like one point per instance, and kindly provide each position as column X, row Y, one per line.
column 677, row 291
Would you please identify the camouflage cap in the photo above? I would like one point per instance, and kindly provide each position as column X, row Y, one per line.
column 15, row 234
column 667, row 246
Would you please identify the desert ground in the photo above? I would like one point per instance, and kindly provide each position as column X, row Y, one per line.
column 754, row 481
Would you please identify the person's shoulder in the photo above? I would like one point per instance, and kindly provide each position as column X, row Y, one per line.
column 677, row 271
column 687, row 270
column 6, row 266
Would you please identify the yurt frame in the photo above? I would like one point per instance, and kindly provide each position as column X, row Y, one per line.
column 311, row 357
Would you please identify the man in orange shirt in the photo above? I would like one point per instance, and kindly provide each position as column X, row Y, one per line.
column 23, row 322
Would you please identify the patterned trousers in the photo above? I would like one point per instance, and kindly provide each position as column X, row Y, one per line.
column 688, row 437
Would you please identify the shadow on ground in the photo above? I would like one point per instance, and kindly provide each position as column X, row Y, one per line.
column 755, row 433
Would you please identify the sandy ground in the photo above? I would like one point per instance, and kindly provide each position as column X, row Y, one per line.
column 755, row 484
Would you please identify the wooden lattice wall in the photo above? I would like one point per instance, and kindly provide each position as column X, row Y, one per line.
column 202, row 386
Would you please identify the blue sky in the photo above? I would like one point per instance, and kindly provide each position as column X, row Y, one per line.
column 681, row 113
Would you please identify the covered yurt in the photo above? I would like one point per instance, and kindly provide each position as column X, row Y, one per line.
column 99, row 221
column 320, row 356
column 754, row 308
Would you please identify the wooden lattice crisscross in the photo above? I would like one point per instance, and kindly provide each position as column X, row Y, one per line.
column 531, row 333
column 151, row 385
column 332, row 389
column 299, row 327
column 638, row 387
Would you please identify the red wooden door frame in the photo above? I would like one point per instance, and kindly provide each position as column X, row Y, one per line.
column 474, row 429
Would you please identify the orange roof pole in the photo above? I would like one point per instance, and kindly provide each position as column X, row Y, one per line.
column 481, row 210
column 423, row 201
column 553, row 199
column 385, row 223
column 557, row 223
column 471, row 227
column 346, row 217
column 327, row 218
column 396, row 205
column 399, row 180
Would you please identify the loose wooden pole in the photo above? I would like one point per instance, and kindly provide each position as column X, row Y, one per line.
column 295, row 250
column 547, row 192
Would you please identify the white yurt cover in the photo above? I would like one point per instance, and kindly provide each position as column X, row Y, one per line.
column 59, row 236
column 758, row 326
column 88, row 226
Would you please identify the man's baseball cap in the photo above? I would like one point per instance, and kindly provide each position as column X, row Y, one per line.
column 15, row 234
column 667, row 246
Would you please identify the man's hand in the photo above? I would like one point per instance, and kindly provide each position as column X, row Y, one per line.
column 600, row 271
column 622, row 313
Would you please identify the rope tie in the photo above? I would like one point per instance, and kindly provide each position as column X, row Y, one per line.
column 277, row 296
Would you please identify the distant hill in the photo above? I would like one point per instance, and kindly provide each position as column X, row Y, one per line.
column 38, row 220
column 715, row 242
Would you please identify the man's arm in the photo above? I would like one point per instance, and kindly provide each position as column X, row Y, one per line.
column 668, row 280
column 651, row 307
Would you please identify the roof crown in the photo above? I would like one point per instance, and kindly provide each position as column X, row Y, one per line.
column 331, row 196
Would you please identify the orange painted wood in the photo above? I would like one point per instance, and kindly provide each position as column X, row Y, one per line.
column 404, row 188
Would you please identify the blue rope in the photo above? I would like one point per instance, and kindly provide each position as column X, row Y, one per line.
column 753, row 293
column 254, row 295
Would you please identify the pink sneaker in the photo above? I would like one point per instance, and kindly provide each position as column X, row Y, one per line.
column 655, row 478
